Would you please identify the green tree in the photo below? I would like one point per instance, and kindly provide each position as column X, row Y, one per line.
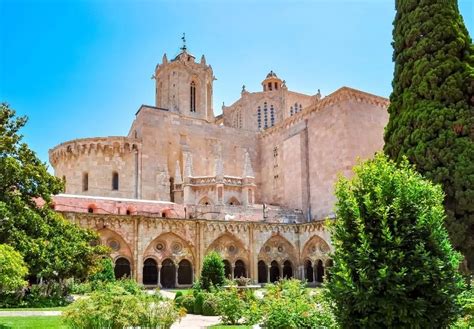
column 212, row 273
column 104, row 272
column 12, row 269
column 432, row 107
column 52, row 247
column 394, row 266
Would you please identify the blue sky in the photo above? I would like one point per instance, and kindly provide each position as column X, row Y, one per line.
column 82, row 68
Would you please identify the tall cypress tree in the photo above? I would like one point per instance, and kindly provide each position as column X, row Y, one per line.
column 432, row 106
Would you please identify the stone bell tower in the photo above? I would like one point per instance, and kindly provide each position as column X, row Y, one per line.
column 184, row 86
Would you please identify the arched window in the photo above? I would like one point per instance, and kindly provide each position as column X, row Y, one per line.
column 115, row 181
column 276, row 86
column 239, row 269
column 270, row 86
column 287, row 270
column 296, row 107
column 319, row 271
column 259, row 117
column 262, row 272
column 301, row 108
column 150, row 272
column 122, row 268
column 85, row 182
column 309, row 273
column 274, row 271
column 272, row 116
column 185, row 272
column 291, row 110
column 265, row 115
column 193, row 97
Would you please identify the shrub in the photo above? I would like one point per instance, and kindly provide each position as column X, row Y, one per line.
column 178, row 294
column 104, row 272
column 188, row 303
column 12, row 269
column 212, row 273
column 47, row 294
column 394, row 264
column 230, row 306
column 198, row 301
column 288, row 304
column 210, row 304
column 118, row 308
column 466, row 300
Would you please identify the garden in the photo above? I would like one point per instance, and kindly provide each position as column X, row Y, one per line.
column 403, row 234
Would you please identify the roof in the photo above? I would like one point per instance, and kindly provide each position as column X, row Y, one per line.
column 271, row 75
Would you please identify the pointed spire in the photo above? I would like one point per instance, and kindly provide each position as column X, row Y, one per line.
column 248, row 170
column 203, row 60
column 165, row 59
column 177, row 174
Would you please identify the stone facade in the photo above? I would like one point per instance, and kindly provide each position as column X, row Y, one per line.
column 266, row 167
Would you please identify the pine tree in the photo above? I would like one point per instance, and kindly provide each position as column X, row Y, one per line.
column 432, row 107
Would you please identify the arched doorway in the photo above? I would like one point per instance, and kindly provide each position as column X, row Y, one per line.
column 319, row 271
column 185, row 272
column 287, row 270
column 262, row 272
column 274, row 272
column 122, row 268
column 309, row 272
column 239, row 270
column 150, row 272
column 227, row 269
column 168, row 274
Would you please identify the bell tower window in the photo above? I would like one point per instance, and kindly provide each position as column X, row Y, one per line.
column 193, row 97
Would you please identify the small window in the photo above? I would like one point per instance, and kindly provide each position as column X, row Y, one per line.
column 291, row 110
column 276, row 86
column 193, row 97
column 269, row 86
column 85, row 182
column 115, row 181
column 128, row 212
column 90, row 210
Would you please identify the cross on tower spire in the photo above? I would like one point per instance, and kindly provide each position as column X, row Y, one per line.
column 183, row 48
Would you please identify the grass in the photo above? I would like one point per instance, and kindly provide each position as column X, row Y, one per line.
column 58, row 308
column 184, row 291
column 223, row 326
column 31, row 322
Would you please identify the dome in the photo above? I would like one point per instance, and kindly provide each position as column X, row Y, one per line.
column 271, row 75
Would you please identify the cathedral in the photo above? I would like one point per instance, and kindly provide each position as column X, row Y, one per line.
column 255, row 183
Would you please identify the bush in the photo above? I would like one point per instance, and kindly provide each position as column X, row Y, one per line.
column 118, row 308
column 12, row 269
column 210, row 304
column 188, row 303
column 393, row 264
column 198, row 301
column 212, row 273
column 466, row 300
column 104, row 272
column 230, row 306
column 288, row 304
column 48, row 294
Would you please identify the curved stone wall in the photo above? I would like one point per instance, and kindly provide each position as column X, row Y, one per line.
column 88, row 166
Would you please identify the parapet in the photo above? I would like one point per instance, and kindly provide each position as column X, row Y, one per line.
column 77, row 147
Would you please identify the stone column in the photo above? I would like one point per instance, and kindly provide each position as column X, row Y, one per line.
column 232, row 271
column 159, row 275
column 176, row 266
column 268, row 273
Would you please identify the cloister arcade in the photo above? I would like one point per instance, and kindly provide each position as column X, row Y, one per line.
column 172, row 259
